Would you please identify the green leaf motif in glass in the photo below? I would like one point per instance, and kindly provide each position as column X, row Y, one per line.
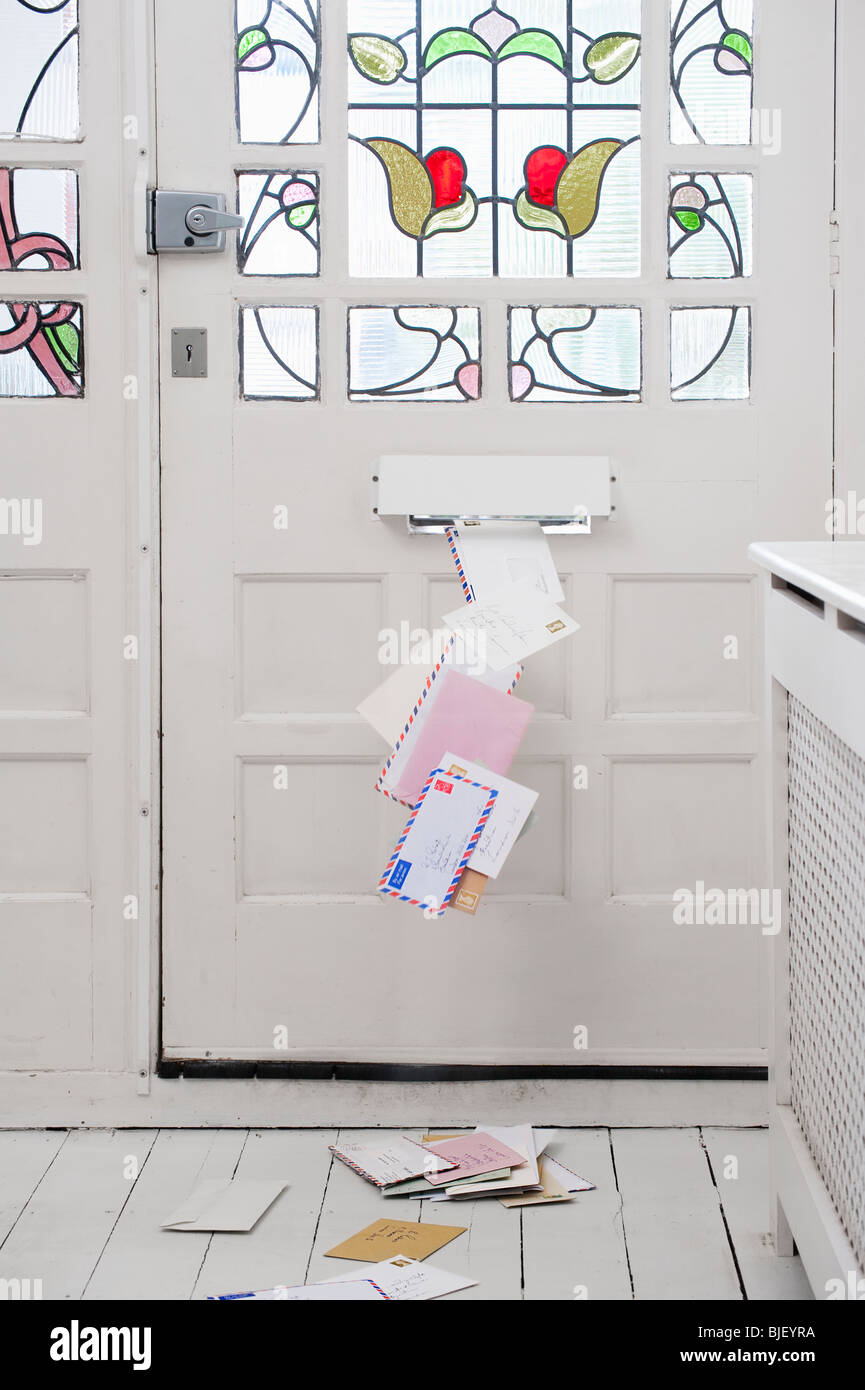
column 687, row 218
column 376, row 58
column 612, row 56
column 740, row 43
column 534, row 43
column 253, row 38
column 537, row 218
column 66, row 342
column 453, row 219
column 301, row 214
column 452, row 41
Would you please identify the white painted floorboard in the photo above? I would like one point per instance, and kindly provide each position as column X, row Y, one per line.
column 674, row 1227
column 82, row 1212
column 745, row 1199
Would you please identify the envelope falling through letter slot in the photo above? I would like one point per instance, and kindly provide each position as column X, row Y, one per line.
column 455, row 737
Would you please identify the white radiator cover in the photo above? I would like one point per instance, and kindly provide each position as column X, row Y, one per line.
column 826, row 833
column 814, row 602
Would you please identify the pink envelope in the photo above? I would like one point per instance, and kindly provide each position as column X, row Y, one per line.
column 474, row 1154
column 470, row 718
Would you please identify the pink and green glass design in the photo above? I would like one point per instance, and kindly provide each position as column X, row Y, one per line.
column 41, row 343
column 277, row 57
column 711, row 71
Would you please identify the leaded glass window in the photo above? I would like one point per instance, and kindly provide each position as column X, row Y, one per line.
column 38, row 219
column 711, row 226
column 414, row 353
column 41, row 349
column 710, row 353
column 278, row 64
column 497, row 139
column 39, row 69
column 279, row 352
column 574, row 353
column 494, row 141
column 711, row 71
column 280, row 233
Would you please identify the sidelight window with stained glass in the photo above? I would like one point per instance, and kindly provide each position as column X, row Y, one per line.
column 494, row 140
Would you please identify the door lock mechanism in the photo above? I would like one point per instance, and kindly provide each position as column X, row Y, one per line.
column 188, row 221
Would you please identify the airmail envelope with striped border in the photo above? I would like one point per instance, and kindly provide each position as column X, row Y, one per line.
column 437, row 843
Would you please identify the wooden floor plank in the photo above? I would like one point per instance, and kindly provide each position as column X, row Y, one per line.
column 68, row 1220
column 278, row 1248
column 674, row 1229
column 580, row 1244
column 141, row 1261
column 25, row 1156
column 350, row 1204
column 488, row 1252
column 745, row 1200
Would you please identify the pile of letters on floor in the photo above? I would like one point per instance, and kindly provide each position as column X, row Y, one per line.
column 511, row 1164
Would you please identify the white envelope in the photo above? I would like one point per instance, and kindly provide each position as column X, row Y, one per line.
column 493, row 554
column 390, row 704
column 347, row 1291
column 511, row 625
column 438, row 839
column 507, row 818
column 404, row 1278
column 218, row 1204
column 565, row 1177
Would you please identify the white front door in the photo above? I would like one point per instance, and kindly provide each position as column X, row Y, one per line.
column 483, row 266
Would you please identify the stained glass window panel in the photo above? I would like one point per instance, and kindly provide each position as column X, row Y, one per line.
column 278, row 66
column 39, row 69
column 279, row 353
column 574, row 353
column 711, row 71
column 710, row 222
column 494, row 140
column 710, row 354
column 414, row 353
column 41, row 349
column 38, row 219
column 281, row 228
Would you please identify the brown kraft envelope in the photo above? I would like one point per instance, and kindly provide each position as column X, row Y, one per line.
column 469, row 892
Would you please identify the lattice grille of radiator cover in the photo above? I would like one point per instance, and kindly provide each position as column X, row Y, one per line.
column 827, row 959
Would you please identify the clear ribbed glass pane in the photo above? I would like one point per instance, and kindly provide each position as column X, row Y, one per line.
column 279, row 353
column 574, row 353
column 414, row 353
column 39, row 69
column 710, row 354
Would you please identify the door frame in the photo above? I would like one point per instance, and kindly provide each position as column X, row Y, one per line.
column 148, row 1039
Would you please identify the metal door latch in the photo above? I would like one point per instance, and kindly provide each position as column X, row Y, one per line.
column 187, row 221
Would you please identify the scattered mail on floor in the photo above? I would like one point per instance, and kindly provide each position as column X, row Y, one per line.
column 219, row 1204
column 401, row 1277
